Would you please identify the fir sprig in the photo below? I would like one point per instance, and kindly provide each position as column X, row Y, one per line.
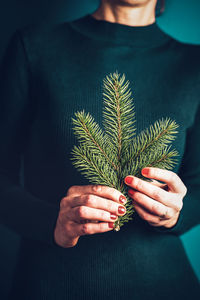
column 107, row 156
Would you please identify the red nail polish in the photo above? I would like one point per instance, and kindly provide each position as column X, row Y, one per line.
column 128, row 180
column 122, row 199
column 113, row 217
column 111, row 225
column 145, row 172
column 131, row 192
column 121, row 210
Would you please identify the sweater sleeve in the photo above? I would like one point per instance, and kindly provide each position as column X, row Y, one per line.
column 189, row 173
column 20, row 210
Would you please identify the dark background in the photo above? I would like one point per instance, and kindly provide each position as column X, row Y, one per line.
column 15, row 14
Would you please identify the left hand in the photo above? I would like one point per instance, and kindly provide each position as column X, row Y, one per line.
column 157, row 203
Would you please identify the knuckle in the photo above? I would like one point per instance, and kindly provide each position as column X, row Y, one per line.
column 178, row 202
column 71, row 189
column 63, row 202
column 157, row 194
column 173, row 176
column 82, row 198
column 81, row 210
column 185, row 190
column 179, row 205
column 97, row 188
column 89, row 200
column 86, row 229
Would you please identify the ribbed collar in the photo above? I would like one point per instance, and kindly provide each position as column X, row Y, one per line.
column 120, row 34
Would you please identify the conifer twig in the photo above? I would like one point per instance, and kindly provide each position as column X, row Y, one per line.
column 107, row 157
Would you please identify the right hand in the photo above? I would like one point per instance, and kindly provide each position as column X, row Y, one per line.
column 93, row 202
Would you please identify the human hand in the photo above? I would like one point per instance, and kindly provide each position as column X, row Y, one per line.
column 93, row 202
column 157, row 203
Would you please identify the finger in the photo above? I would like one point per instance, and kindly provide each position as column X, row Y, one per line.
column 152, row 206
column 78, row 213
column 92, row 228
column 96, row 202
column 159, row 184
column 172, row 179
column 161, row 223
column 98, row 190
column 155, row 192
column 145, row 215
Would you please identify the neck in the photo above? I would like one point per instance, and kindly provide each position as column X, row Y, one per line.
column 127, row 12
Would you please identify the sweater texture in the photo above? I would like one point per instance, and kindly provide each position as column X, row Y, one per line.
column 48, row 73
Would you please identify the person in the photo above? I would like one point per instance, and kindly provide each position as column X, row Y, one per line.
column 48, row 73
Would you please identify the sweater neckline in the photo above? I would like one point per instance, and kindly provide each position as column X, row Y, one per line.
column 120, row 34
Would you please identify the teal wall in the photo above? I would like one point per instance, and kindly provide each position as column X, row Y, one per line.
column 181, row 20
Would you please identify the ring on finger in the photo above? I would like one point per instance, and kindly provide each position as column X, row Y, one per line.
column 163, row 216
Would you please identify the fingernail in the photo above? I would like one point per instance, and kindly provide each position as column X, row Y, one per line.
column 122, row 199
column 128, row 180
column 145, row 172
column 111, row 225
column 113, row 217
column 131, row 192
column 121, row 210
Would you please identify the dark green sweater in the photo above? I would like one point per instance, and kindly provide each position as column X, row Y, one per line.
column 48, row 73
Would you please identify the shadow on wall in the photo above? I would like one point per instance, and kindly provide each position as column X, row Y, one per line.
column 191, row 242
column 14, row 14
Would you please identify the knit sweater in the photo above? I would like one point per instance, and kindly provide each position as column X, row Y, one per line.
column 48, row 73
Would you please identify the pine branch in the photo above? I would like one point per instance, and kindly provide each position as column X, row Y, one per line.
column 160, row 134
column 91, row 166
column 118, row 112
column 164, row 158
column 88, row 132
column 107, row 157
